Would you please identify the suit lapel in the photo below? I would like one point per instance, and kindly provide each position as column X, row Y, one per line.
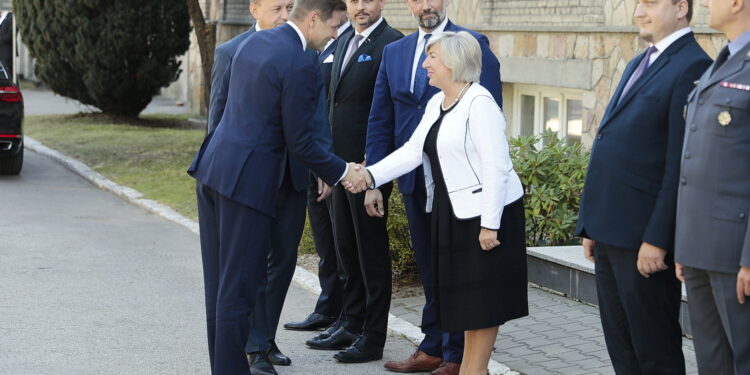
column 338, row 59
column 647, row 76
column 730, row 67
column 364, row 48
column 621, row 86
column 406, row 62
column 328, row 51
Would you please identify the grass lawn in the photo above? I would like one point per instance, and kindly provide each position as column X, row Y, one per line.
column 150, row 154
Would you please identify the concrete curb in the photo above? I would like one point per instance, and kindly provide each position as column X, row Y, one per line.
column 302, row 277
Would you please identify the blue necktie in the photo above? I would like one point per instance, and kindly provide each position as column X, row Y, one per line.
column 420, row 77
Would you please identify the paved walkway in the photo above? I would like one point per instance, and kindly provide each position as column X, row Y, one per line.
column 560, row 336
column 91, row 284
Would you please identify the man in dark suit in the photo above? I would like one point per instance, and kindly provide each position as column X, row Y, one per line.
column 401, row 93
column 288, row 225
column 361, row 241
column 272, row 87
column 330, row 302
column 712, row 243
column 627, row 214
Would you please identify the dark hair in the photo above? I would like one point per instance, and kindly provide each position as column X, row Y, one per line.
column 325, row 7
column 690, row 8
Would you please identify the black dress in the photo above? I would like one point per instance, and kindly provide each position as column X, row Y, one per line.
column 475, row 288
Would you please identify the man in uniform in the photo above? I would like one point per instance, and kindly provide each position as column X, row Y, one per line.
column 712, row 238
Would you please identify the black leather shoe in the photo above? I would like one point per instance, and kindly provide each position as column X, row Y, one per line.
column 313, row 322
column 340, row 339
column 330, row 330
column 360, row 352
column 259, row 364
column 276, row 357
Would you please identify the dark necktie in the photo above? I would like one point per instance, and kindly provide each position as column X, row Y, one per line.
column 642, row 66
column 420, row 76
column 721, row 59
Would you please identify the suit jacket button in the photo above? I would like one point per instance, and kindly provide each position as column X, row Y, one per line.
column 683, row 181
column 598, row 136
column 693, row 127
column 688, row 155
column 742, row 215
column 419, row 107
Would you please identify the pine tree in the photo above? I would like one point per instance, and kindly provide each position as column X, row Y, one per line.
column 111, row 54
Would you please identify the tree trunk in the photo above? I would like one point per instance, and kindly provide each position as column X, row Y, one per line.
column 206, row 35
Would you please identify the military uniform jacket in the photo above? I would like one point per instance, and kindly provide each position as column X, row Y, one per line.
column 714, row 191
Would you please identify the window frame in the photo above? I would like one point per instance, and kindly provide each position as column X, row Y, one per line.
column 539, row 93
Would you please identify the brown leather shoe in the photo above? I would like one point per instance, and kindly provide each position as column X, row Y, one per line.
column 417, row 362
column 447, row 368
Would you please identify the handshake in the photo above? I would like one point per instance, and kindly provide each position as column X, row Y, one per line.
column 357, row 179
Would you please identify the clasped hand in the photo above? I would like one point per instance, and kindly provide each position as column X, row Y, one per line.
column 357, row 179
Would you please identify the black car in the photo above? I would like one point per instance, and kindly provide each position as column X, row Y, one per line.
column 11, row 125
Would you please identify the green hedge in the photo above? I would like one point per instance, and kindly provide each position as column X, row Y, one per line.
column 552, row 177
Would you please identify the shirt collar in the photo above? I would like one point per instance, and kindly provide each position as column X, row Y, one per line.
column 340, row 31
column 257, row 27
column 438, row 29
column 663, row 44
column 299, row 32
column 737, row 44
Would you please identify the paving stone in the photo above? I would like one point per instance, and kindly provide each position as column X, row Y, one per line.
column 560, row 336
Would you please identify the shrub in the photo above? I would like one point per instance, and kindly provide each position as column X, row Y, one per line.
column 111, row 54
column 552, row 177
column 402, row 255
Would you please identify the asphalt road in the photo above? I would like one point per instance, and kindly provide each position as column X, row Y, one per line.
column 90, row 284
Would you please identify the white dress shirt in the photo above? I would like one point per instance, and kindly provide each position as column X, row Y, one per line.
column 420, row 48
column 365, row 34
column 663, row 44
column 340, row 31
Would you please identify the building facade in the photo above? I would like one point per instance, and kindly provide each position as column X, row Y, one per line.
column 561, row 60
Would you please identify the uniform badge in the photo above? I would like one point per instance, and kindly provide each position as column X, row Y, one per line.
column 725, row 118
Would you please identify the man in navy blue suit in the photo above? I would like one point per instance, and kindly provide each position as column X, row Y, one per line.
column 271, row 93
column 627, row 214
column 401, row 93
column 288, row 225
column 330, row 302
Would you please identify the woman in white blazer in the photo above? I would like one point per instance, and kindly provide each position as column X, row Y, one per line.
column 474, row 196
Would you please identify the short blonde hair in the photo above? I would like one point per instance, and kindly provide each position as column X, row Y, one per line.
column 461, row 54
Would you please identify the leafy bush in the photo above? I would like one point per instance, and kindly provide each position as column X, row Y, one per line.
column 111, row 54
column 552, row 177
column 402, row 255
